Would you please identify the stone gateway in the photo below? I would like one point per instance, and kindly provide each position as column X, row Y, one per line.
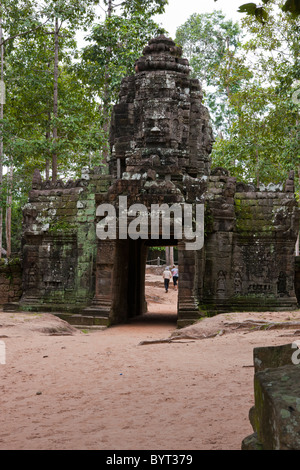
column 161, row 140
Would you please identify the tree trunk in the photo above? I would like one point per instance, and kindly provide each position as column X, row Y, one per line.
column 228, row 69
column 8, row 211
column 167, row 255
column 257, row 169
column 171, row 256
column 297, row 124
column 47, row 169
column 110, row 8
column 55, row 100
column 1, row 136
column 48, row 137
column 106, row 94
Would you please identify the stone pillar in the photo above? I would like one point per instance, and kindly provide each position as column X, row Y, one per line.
column 217, row 287
column 297, row 278
column 136, row 278
column 104, row 286
column 144, row 254
column 31, row 275
column 188, row 310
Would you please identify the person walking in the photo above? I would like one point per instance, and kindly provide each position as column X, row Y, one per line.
column 167, row 275
column 175, row 276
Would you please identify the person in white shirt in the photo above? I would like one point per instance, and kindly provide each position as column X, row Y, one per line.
column 167, row 275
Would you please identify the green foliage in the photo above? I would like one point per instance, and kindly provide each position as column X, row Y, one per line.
column 28, row 119
column 62, row 227
column 264, row 143
column 261, row 14
column 252, row 9
column 81, row 121
column 73, row 14
column 204, row 40
column 209, row 40
column 143, row 7
column 116, row 44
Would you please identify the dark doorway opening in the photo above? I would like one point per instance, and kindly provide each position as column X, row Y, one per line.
column 141, row 295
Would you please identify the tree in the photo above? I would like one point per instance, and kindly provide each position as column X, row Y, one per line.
column 264, row 137
column 17, row 19
column 208, row 40
column 71, row 14
column 29, row 109
column 30, row 114
column 116, row 43
column 261, row 13
column 51, row 114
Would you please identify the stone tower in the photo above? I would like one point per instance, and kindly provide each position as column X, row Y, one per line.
column 159, row 127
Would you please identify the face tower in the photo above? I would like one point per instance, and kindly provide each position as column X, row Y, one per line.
column 160, row 130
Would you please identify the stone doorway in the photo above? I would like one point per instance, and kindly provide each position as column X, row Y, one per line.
column 129, row 292
column 120, row 281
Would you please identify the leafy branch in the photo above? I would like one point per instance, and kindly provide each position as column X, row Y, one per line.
column 261, row 14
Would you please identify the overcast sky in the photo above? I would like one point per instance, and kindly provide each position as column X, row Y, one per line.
column 178, row 11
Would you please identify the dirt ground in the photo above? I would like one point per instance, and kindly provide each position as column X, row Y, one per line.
column 121, row 389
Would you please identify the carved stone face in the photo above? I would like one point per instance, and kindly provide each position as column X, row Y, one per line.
column 160, row 112
column 157, row 126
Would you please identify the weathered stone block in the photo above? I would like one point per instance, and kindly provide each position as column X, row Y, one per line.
column 252, row 443
column 272, row 357
column 10, row 281
column 277, row 408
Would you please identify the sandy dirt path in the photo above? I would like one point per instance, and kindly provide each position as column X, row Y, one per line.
column 66, row 389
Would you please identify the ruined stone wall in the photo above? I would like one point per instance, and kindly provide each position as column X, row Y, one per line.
column 297, row 278
column 275, row 416
column 59, row 245
column 10, row 281
column 250, row 245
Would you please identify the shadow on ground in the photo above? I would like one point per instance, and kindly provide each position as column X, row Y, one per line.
column 156, row 318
